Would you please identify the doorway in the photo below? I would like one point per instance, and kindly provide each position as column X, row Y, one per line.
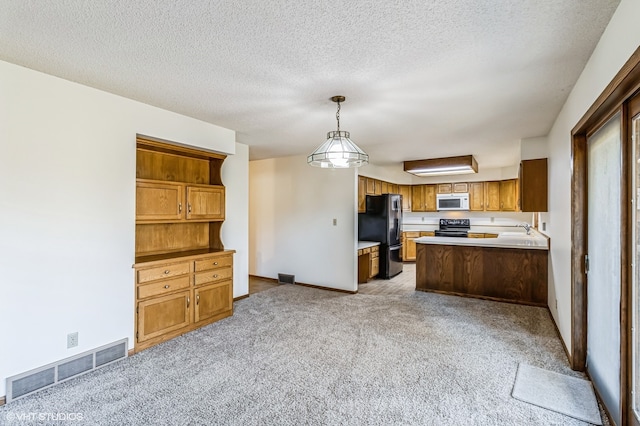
column 604, row 315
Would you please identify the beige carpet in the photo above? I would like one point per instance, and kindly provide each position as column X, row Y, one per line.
column 295, row 355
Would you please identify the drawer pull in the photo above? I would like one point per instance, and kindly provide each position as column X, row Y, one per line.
column 180, row 208
column 197, row 299
column 215, row 263
column 215, row 275
column 189, row 207
column 188, row 301
column 167, row 271
column 166, row 286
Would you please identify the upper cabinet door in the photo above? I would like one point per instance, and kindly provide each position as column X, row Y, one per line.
column 362, row 194
column 492, row 198
column 156, row 201
column 205, row 202
column 509, row 195
column 476, row 196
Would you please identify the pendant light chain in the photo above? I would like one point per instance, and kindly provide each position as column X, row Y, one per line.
column 338, row 116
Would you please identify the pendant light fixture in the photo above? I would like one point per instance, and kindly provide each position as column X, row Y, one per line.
column 338, row 151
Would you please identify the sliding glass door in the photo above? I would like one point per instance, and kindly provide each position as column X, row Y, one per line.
column 604, row 262
column 635, row 282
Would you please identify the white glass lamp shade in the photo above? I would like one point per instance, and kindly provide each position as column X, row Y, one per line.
column 338, row 152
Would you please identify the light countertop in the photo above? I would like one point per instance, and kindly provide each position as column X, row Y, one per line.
column 505, row 239
column 367, row 244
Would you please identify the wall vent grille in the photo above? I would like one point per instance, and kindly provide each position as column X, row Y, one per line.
column 46, row 376
column 286, row 279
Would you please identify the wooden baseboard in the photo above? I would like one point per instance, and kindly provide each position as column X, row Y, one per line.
column 305, row 285
column 131, row 352
column 235, row 299
column 326, row 288
column 606, row 411
column 273, row 280
column 493, row 299
column 566, row 351
column 3, row 400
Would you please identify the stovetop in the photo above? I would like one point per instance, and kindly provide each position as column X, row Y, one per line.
column 453, row 228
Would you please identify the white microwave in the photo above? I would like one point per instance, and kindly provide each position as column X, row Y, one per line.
column 457, row 201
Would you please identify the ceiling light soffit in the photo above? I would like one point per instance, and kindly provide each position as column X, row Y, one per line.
column 464, row 164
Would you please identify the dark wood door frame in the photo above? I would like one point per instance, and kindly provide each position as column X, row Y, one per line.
column 612, row 99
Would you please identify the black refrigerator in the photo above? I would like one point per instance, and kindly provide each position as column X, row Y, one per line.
column 382, row 222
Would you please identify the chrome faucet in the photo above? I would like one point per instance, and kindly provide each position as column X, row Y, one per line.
column 526, row 227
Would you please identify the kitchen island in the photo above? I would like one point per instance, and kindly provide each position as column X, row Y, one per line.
column 512, row 267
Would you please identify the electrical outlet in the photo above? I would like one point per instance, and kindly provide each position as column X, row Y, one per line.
column 335, row 222
column 72, row 340
column 544, row 226
column 556, row 305
column 423, row 218
column 493, row 219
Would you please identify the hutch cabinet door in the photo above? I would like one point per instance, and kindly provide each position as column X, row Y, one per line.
column 212, row 300
column 158, row 201
column 205, row 202
column 164, row 314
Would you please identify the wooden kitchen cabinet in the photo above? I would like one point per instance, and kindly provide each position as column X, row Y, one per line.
column 384, row 187
column 375, row 261
column 533, row 185
column 430, row 204
column 417, row 198
column 509, row 195
column 393, row 188
column 362, row 194
column 492, row 196
column 409, row 245
column 405, row 191
column 476, row 196
column 460, row 187
column 371, row 186
column 444, row 188
column 423, row 198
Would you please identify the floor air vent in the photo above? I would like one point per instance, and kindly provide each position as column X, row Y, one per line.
column 286, row 279
column 40, row 378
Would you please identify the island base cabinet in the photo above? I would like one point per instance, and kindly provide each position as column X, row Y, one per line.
column 503, row 274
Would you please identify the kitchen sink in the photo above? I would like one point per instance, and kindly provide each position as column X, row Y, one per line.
column 515, row 234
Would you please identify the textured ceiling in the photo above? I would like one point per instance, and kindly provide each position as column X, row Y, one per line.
column 422, row 78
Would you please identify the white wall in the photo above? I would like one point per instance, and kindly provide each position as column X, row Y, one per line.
column 291, row 210
column 619, row 41
column 67, row 212
column 235, row 230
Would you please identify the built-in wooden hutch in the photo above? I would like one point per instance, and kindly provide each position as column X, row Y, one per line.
column 183, row 274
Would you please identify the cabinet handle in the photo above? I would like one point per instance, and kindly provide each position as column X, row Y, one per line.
column 197, row 299
column 166, row 286
column 188, row 301
column 167, row 271
column 189, row 207
column 215, row 275
column 215, row 263
column 180, row 208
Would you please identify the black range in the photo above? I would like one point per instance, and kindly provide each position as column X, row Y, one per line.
column 453, row 228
